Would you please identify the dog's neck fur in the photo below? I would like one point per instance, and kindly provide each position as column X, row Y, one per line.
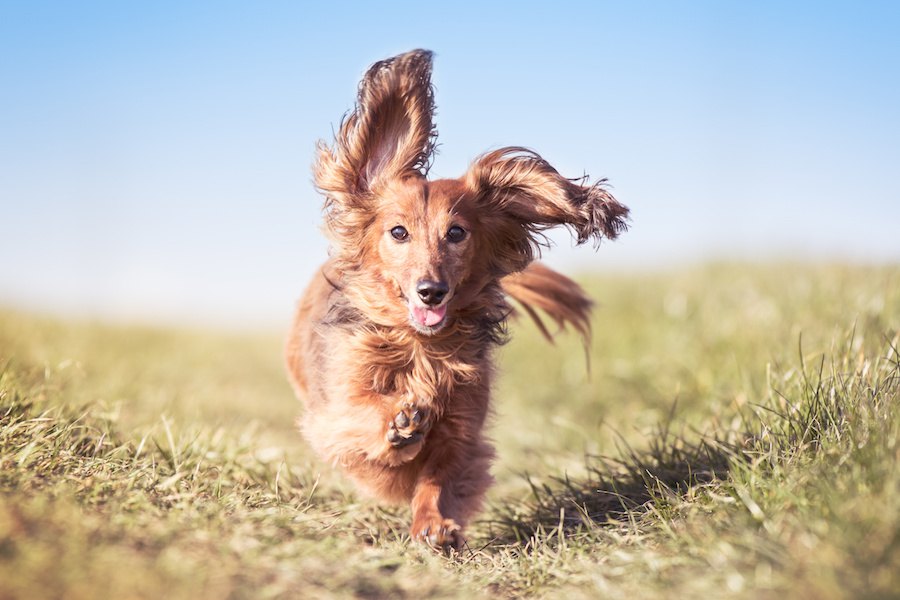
column 397, row 359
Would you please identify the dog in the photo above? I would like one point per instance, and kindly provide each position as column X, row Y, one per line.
column 391, row 345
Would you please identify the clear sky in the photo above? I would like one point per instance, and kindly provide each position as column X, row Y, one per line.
column 155, row 156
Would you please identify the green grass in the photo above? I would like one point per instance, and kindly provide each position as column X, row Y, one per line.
column 734, row 433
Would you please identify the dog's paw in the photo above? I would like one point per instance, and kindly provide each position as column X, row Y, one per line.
column 409, row 426
column 445, row 534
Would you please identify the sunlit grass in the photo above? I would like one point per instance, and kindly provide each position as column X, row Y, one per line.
column 734, row 433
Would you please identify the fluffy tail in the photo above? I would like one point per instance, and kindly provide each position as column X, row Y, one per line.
column 563, row 300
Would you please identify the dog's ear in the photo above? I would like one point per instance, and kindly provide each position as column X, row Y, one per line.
column 525, row 195
column 389, row 134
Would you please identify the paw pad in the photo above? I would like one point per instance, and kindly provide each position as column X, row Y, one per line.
column 408, row 427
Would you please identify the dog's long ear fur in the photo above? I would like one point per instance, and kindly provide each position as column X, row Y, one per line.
column 525, row 195
column 389, row 134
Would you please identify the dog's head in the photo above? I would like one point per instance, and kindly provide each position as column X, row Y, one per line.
column 422, row 252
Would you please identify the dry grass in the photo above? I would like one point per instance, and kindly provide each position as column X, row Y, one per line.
column 737, row 437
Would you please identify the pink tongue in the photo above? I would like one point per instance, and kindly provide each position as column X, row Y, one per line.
column 429, row 316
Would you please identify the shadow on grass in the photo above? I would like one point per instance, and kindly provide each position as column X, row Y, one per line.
column 616, row 490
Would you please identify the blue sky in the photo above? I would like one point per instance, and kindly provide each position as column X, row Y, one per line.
column 155, row 157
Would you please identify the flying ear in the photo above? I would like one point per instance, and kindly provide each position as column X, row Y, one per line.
column 526, row 195
column 389, row 133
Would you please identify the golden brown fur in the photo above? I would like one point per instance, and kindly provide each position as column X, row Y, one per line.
column 392, row 341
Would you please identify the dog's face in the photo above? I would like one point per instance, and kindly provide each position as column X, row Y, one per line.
column 418, row 251
column 424, row 247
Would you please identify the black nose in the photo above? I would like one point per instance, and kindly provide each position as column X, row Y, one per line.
column 432, row 292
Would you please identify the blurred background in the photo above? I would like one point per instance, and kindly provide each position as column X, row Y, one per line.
column 155, row 157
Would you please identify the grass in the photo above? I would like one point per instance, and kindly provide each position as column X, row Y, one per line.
column 734, row 433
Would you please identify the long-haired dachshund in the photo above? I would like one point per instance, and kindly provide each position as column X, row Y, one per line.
column 391, row 346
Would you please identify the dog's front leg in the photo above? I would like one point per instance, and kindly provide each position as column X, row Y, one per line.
column 429, row 523
column 451, row 484
column 387, row 430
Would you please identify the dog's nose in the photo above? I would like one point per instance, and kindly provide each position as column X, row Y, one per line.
column 432, row 292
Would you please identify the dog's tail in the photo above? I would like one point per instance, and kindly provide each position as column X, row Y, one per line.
column 563, row 300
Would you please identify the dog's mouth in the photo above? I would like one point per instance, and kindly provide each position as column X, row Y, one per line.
column 425, row 317
column 428, row 319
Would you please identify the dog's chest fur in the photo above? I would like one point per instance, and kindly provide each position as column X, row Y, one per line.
column 424, row 370
column 395, row 362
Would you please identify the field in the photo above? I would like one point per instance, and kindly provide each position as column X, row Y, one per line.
column 733, row 433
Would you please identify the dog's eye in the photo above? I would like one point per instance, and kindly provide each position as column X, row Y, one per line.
column 399, row 233
column 456, row 234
